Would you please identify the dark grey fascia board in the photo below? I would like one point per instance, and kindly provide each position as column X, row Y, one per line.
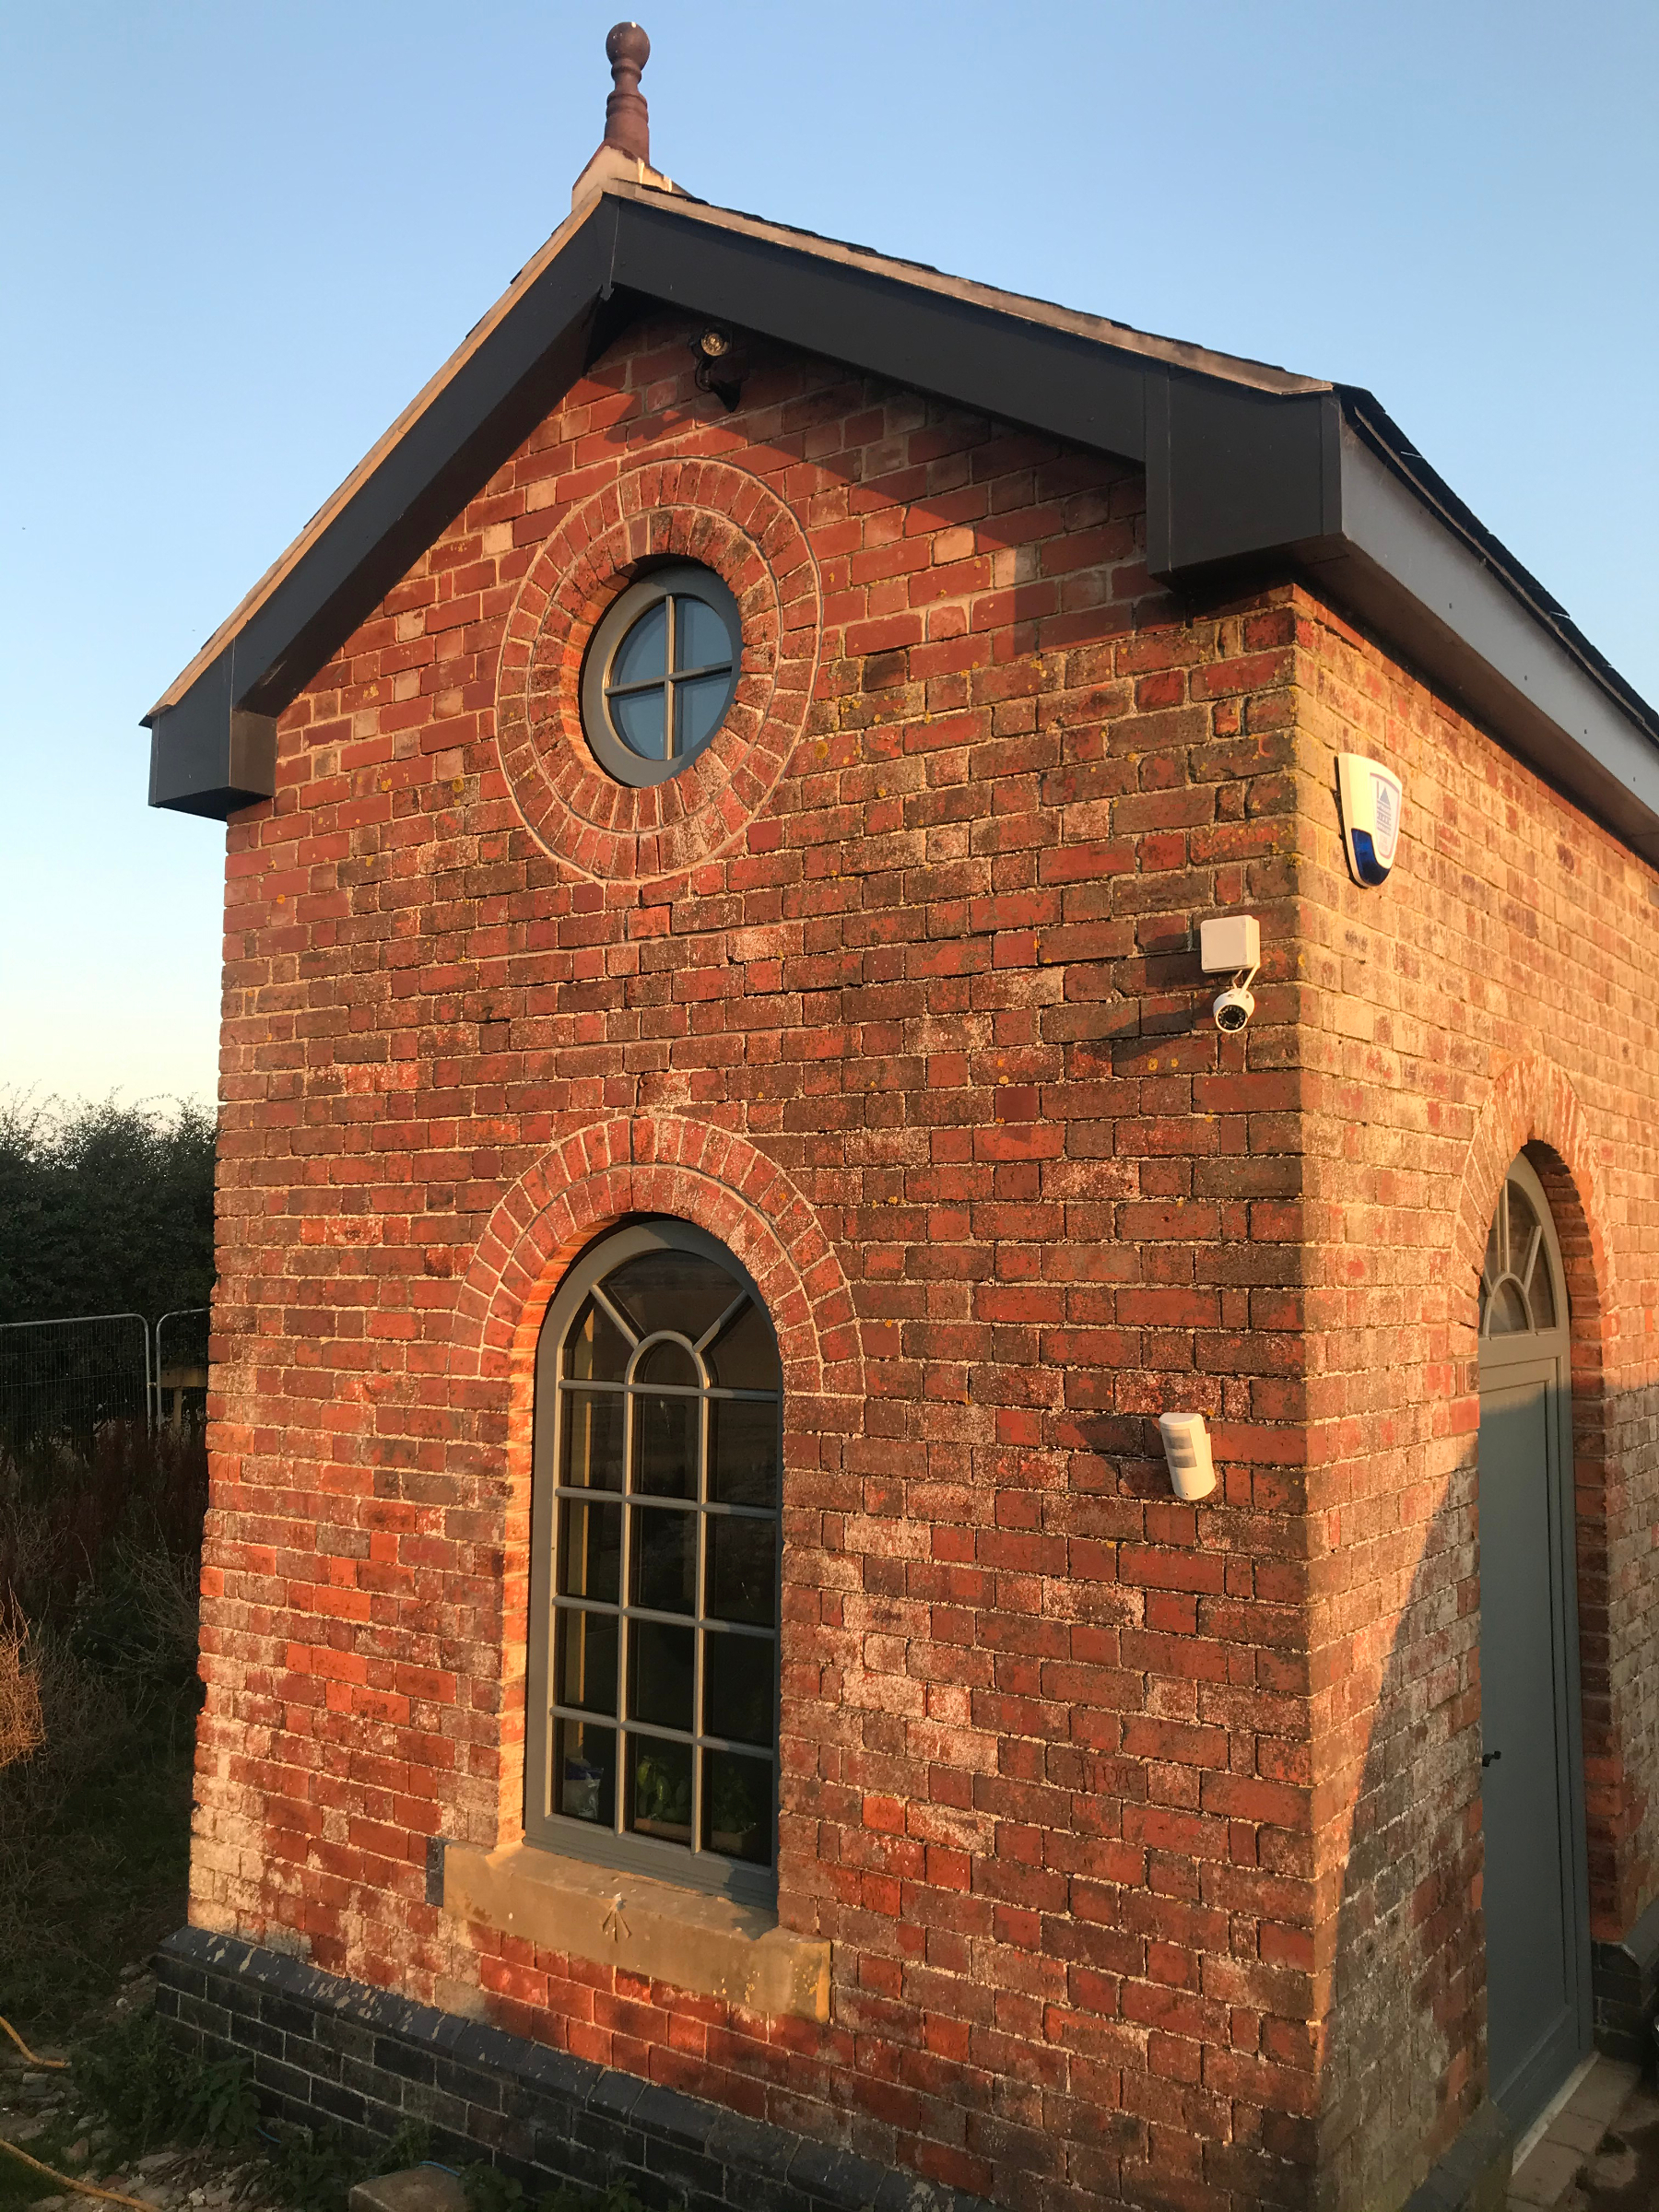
column 492, row 403
column 1234, row 475
column 976, row 356
column 1241, row 482
column 209, row 756
column 634, row 256
column 1417, row 581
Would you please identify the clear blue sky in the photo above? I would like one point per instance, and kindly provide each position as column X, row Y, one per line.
column 238, row 237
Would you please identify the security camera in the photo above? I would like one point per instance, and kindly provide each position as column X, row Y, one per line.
column 1233, row 1009
column 1232, row 942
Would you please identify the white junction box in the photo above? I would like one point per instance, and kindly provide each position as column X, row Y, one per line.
column 1187, row 1448
column 1230, row 943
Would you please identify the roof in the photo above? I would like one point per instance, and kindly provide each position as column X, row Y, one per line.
column 1251, row 470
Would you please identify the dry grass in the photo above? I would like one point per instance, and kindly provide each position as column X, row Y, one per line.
column 21, row 1729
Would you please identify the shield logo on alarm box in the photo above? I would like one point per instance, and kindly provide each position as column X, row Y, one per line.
column 1372, row 798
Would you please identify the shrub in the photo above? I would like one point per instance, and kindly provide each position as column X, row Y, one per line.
column 101, row 1559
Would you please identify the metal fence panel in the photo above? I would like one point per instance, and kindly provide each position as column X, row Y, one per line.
column 61, row 1381
column 181, row 1367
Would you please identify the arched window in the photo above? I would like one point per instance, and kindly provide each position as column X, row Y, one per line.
column 1521, row 1290
column 654, row 1656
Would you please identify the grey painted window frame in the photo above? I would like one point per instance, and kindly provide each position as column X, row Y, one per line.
column 682, row 580
column 694, row 1869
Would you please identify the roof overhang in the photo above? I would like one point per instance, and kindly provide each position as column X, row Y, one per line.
column 1249, row 472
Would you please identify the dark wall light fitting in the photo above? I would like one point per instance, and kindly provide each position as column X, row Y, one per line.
column 722, row 364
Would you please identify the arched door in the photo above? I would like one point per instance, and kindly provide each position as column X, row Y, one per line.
column 1531, row 1785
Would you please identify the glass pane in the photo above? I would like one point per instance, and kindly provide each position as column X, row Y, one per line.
column 678, row 1290
column 590, row 1551
column 669, row 1363
column 665, row 1559
column 659, row 1674
column 697, row 707
column 1523, row 1227
column 595, row 1350
column 743, row 1451
column 640, row 718
column 665, row 1445
column 744, row 1355
column 738, row 1694
column 737, row 1806
column 643, row 652
column 1540, row 1291
column 742, row 1571
column 660, row 1795
column 701, row 637
column 1506, row 1310
column 1491, row 1267
column 591, row 1456
column 587, row 1660
column 584, row 1769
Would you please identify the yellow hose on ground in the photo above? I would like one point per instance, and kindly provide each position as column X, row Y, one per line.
column 111, row 2196
column 57, row 2065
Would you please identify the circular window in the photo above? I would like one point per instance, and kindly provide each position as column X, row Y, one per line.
column 660, row 672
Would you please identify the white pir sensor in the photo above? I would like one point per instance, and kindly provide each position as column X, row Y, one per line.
column 1187, row 1448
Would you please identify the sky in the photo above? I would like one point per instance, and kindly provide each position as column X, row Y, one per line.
column 237, row 238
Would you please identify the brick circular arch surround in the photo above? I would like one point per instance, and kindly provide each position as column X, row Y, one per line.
column 593, row 1178
column 688, row 510
column 1534, row 1108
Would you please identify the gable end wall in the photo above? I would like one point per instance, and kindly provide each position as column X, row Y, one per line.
column 1101, row 1803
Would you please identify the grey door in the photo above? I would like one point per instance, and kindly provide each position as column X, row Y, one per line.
column 1532, row 1794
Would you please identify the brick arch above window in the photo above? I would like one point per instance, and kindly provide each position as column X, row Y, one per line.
column 715, row 1180
column 682, row 509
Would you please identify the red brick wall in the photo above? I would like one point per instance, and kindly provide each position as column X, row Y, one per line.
column 1494, row 994
column 1148, row 1840
column 895, row 990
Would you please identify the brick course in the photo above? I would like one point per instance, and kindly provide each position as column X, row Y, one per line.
column 1122, row 1816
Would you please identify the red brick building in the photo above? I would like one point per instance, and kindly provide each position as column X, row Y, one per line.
column 726, row 1157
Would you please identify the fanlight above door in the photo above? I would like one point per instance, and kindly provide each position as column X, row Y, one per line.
column 1518, row 1289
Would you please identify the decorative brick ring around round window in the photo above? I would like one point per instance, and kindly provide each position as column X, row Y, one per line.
column 704, row 512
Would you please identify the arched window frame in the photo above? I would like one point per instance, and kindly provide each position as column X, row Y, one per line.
column 699, row 1866
column 1507, row 1272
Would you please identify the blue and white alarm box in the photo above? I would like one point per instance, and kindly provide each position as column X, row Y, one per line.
column 1372, row 798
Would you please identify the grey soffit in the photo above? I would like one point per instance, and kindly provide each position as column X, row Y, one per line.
column 1251, row 473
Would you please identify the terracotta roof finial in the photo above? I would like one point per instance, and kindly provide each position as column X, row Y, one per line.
column 627, row 118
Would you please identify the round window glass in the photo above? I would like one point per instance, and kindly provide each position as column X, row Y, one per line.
column 660, row 672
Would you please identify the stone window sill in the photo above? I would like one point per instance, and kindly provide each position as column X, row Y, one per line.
column 709, row 1945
